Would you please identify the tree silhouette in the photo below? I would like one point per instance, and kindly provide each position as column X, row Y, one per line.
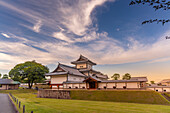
column 152, row 82
column 157, row 5
column 5, row 76
column 29, row 71
column 116, row 76
column 127, row 76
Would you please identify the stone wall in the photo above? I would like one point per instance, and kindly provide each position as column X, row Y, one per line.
column 58, row 94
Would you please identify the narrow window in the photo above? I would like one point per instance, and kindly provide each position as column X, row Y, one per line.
column 83, row 87
column 104, row 87
column 156, row 90
column 76, row 87
column 69, row 87
column 164, row 90
column 124, row 87
column 114, row 87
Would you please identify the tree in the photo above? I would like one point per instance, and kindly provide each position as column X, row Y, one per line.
column 116, row 76
column 156, row 4
column 152, row 82
column 5, row 76
column 30, row 72
column 127, row 76
column 0, row 75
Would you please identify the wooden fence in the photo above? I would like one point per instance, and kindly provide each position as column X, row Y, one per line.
column 18, row 103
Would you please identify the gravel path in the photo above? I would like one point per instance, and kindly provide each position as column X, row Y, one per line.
column 5, row 104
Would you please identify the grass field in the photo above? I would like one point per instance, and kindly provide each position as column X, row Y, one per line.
column 146, row 97
column 167, row 94
column 44, row 105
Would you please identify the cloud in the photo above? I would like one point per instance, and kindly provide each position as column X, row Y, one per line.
column 160, row 60
column 61, row 36
column 5, row 35
column 71, row 25
column 37, row 26
column 73, row 17
column 104, row 50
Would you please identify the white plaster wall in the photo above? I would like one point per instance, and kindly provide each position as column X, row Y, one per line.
column 64, row 86
column 4, row 87
column 120, row 85
column 101, row 85
column 160, row 89
column 54, row 87
column 83, row 85
column 83, row 65
column 132, row 85
column 58, row 79
column 167, row 89
column 75, row 78
column 110, row 85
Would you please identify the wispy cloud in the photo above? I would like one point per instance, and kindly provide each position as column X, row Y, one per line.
column 70, row 23
column 37, row 26
column 5, row 35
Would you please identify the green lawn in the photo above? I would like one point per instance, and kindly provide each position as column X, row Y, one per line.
column 45, row 105
column 145, row 97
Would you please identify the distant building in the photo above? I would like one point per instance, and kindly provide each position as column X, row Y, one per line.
column 162, row 86
column 165, row 82
column 83, row 76
column 7, row 84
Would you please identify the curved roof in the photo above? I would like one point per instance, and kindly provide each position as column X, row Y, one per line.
column 66, row 70
column 83, row 59
column 8, row 81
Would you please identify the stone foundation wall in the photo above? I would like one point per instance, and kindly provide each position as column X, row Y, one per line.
column 58, row 94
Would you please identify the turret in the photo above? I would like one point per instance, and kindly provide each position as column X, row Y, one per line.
column 83, row 63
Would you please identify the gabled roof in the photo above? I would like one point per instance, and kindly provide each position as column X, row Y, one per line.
column 92, row 78
column 8, row 81
column 102, row 76
column 82, row 59
column 66, row 70
column 139, row 79
column 165, row 81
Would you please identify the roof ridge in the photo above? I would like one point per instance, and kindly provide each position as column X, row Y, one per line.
column 67, row 66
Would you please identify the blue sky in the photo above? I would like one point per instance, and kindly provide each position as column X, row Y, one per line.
column 109, row 32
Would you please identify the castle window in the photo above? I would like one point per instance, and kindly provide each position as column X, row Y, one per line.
column 114, row 87
column 69, row 87
column 124, row 87
column 76, row 87
column 83, row 87
column 156, row 90
column 104, row 87
column 81, row 66
column 164, row 90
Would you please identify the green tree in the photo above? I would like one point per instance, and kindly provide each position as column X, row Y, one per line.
column 5, row 76
column 116, row 76
column 28, row 72
column 0, row 75
column 127, row 76
column 152, row 82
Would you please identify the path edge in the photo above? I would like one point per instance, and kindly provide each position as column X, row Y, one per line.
column 16, row 110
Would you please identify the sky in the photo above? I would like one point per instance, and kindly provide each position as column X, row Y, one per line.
column 109, row 32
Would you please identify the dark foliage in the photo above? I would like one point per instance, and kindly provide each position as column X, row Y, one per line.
column 157, row 5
